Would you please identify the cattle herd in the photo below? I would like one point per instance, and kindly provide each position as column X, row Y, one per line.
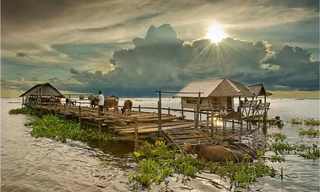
column 111, row 103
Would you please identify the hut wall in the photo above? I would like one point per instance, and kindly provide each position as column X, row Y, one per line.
column 191, row 102
column 221, row 102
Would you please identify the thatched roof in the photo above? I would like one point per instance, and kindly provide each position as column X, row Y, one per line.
column 216, row 88
column 259, row 90
column 45, row 89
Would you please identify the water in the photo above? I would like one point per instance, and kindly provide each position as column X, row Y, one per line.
column 29, row 164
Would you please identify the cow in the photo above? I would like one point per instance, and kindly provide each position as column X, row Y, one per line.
column 111, row 102
column 93, row 101
column 127, row 106
column 215, row 153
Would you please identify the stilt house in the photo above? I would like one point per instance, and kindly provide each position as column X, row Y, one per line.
column 41, row 94
column 216, row 94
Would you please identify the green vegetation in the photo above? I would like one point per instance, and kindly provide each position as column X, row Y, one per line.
column 279, row 137
column 55, row 128
column 309, row 132
column 24, row 110
column 241, row 174
column 280, row 147
column 308, row 122
column 312, row 122
column 296, row 121
column 51, row 126
column 311, row 152
column 277, row 158
column 157, row 162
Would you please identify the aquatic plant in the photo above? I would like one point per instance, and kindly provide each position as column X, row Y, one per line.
column 158, row 161
column 311, row 152
column 312, row 122
column 51, row 126
column 24, row 110
column 296, row 121
column 311, row 132
column 279, row 137
column 277, row 158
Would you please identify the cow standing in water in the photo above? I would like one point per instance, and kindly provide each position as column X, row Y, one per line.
column 127, row 107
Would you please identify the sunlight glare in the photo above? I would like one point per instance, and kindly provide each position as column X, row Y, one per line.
column 216, row 33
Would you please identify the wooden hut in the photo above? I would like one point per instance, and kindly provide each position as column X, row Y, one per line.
column 216, row 94
column 41, row 94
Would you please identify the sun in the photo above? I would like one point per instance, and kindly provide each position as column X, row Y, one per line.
column 216, row 33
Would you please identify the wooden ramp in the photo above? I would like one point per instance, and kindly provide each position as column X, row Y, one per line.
column 187, row 134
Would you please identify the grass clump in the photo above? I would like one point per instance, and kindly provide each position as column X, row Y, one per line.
column 312, row 122
column 279, row 137
column 241, row 174
column 53, row 127
column 24, row 110
column 309, row 152
column 296, row 121
column 157, row 162
column 308, row 122
column 309, row 132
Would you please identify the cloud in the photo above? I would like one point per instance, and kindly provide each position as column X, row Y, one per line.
column 161, row 59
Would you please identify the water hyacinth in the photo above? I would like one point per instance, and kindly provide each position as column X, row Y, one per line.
column 157, row 162
column 311, row 132
column 55, row 128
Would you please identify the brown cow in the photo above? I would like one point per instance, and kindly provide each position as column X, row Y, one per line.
column 93, row 101
column 215, row 153
column 127, row 106
column 111, row 102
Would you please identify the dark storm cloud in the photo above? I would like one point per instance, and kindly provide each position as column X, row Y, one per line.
column 162, row 60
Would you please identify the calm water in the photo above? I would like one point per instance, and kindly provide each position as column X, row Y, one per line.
column 29, row 164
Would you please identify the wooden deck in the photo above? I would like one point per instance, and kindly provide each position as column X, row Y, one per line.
column 175, row 130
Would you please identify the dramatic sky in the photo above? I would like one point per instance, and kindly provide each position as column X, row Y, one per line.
column 135, row 47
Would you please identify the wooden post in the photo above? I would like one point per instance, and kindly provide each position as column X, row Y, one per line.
column 136, row 135
column 139, row 108
column 22, row 105
column 207, row 123
column 232, row 126
column 159, row 113
column 182, row 112
column 99, row 125
column 168, row 110
column 197, row 111
column 265, row 116
column 79, row 113
column 223, row 126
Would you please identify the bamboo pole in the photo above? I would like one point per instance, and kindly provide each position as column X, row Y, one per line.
column 136, row 136
column 197, row 111
column 159, row 113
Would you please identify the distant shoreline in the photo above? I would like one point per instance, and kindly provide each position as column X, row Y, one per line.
column 295, row 94
column 275, row 94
